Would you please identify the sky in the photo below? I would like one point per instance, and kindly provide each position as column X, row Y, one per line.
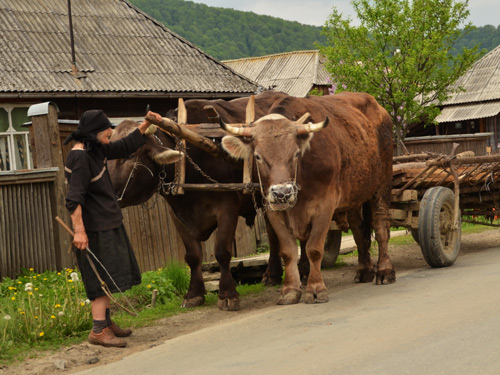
column 315, row 12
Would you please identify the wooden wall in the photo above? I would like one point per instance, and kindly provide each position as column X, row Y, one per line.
column 156, row 242
column 27, row 223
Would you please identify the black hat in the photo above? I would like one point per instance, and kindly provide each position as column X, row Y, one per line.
column 91, row 123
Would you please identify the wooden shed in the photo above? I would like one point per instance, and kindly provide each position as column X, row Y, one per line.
column 68, row 57
column 476, row 109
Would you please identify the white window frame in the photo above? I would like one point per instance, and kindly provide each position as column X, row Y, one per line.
column 11, row 134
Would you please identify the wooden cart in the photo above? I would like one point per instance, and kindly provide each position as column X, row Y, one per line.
column 432, row 194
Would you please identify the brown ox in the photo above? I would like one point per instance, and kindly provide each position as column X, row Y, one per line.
column 197, row 214
column 344, row 169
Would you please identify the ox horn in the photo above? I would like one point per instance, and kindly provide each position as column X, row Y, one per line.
column 235, row 130
column 311, row 128
column 303, row 119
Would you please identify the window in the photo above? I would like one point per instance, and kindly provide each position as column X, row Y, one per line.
column 15, row 152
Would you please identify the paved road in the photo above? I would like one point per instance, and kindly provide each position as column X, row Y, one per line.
column 431, row 321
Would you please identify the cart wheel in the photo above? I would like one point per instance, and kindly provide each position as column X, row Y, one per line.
column 439, row 243
column 414, row 234
column 332, row 248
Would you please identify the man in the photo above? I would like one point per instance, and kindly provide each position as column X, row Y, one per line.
column 97, row 219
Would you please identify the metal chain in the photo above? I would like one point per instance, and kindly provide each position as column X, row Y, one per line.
column 180, row 146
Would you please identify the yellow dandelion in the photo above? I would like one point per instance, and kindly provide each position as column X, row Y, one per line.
column 10, row 288
column 57, row 306
column 41, row 334
column 153, row 281
column 82, row 303
column 13, row 298
column 32, row 269
column 22, row 313
column 52, row 317
column 19, row 282
column 30, row 293
column 149, row 286
column 70, row 281
column 59, row 273
column 44, row 279
column 36, row 288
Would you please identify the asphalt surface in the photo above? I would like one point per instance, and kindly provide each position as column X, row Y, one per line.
column 431, row 321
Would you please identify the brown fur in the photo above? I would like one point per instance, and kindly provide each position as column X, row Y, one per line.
column 348, row 167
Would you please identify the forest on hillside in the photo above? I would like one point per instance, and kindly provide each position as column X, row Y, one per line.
column 230, row 34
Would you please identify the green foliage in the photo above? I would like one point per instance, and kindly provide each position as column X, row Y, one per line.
column 38, row 308
column 48, row 309
column 401, row 54
column 230, row 34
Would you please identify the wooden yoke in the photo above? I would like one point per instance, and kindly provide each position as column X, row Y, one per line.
column 248, row 163
column 180, row 166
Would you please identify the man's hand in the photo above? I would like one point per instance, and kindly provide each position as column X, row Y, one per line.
column 80, row 240
column 146, row 124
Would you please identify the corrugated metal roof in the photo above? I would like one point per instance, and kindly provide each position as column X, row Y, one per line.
column 292, row 72
column 481, row 82
column 468, row 111
column 118, row 49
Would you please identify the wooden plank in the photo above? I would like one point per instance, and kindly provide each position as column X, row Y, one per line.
column 404, row 196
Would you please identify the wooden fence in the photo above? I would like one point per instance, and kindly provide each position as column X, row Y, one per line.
column 442, row 144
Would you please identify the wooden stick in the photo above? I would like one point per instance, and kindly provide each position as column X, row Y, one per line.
column 190, row 136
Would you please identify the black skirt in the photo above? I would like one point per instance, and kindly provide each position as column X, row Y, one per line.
column 113, row 249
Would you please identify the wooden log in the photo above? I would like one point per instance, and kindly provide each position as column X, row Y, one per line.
column 180, row 166
column 218, row 187
column 190, row 136
column 248, row 162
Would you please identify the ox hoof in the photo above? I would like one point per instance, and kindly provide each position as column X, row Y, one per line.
column 364, row 275
column 321, row 297
column 289, row 298
column 229, row 304
column 193, row 302
column 386, row 276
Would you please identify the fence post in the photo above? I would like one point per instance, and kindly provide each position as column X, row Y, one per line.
column 47, row 153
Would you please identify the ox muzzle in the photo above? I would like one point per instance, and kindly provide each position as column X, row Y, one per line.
column 283, row 196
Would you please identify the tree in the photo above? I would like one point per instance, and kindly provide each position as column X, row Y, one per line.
column 401, row 53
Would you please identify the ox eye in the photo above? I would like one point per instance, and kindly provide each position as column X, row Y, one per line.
column 297, row 154
column 258, row 158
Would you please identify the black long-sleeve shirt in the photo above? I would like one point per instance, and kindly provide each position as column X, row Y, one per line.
column 89, row 184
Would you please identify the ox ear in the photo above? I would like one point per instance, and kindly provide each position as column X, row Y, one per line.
column 167, row 157
column 236, row 147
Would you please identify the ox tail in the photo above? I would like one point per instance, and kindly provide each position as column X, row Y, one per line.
column 366, row 226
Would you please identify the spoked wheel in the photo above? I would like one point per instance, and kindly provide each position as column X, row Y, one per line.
column 332, row 248
column 438, row 239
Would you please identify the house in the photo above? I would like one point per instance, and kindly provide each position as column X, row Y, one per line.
column 106, row 54
column 295, row 73
column 477, row 108
column 71, row 56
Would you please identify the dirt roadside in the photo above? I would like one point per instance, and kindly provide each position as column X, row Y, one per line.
column 71, row 359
